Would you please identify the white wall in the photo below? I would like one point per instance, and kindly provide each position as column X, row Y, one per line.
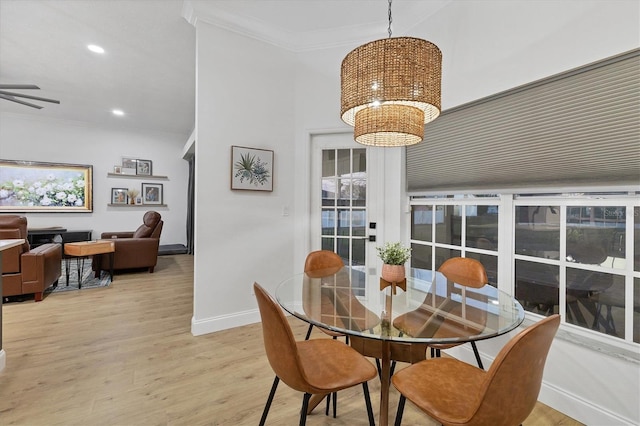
column 244, row 98
column 24, row 138
column 488, row 47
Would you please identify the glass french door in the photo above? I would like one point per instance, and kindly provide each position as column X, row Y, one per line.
column 340, row 198
column 344, row 203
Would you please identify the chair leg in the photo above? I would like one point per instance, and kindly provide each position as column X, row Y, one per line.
column 269, row 400
column 332, row 396
column 477, row 354
column 305, row 407
column 367, row 400
column 326, row 411
column 597, row 316
column 400, row 410
column 335, row 404
column 308, row 332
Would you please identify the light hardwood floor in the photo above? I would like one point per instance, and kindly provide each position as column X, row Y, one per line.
column 124, row 355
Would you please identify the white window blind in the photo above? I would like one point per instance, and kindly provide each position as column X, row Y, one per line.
column 581, row 127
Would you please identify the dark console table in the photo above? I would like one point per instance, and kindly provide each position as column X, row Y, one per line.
column 38, row 237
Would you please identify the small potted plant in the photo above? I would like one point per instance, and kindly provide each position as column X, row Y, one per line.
column 393, row 256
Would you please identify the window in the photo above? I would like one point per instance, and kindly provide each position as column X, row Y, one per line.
column 573, row 254
column 450, row 228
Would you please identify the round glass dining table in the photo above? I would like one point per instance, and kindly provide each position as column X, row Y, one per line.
column 397, row 321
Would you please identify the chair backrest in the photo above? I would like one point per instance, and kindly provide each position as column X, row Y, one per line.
column 322, row 263
column 514, row 379
column 151, row 226
column 465, row 271
column 13, row 227
column 279, row 343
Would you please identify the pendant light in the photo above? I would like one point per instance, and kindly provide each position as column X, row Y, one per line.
column 390, row 89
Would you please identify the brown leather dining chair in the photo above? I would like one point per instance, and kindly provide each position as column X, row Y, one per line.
column 321, row 263
column 324, row 263
column 462, row 270
column 316, row 366
column 504, row 395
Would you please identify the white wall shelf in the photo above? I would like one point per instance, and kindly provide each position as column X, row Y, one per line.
column 136, row 205
column 119, row 175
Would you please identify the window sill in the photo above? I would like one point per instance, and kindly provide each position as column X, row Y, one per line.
column 579, row 337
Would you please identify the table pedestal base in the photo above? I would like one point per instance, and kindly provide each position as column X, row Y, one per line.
column 385, row 351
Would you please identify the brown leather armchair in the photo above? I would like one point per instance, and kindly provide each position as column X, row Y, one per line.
column 26, row 270
column 134, row 250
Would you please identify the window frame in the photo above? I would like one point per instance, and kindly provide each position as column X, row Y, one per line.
column 507, row 203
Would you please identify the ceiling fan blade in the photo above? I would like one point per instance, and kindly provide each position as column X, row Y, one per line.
column 18, row 86
column 36, row 98
column 12, row 99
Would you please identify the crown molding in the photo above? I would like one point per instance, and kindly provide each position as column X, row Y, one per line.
column 413, row 14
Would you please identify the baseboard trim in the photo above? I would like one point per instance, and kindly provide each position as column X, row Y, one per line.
column 577, row 408
column 224, row 322
column 3, row 359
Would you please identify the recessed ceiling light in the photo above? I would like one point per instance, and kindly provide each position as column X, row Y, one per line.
column 118, row 112
column 94, row 48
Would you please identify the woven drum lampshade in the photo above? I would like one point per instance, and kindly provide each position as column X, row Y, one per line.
column 390, row 89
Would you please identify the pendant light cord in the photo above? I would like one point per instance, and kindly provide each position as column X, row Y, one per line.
column 390, row 20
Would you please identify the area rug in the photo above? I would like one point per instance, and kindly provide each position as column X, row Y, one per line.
column 88, row 277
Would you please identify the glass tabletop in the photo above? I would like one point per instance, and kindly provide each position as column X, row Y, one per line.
column 430, row 310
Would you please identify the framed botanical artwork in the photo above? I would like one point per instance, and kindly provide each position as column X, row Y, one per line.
column 251, row 169
column 119, row 196
column 143, row 167
column 151, row 193
column 33, row 186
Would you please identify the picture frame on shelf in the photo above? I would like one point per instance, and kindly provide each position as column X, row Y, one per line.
column 129, row 166
column 152, row 193
column 251, row 169
column 138, row 200
column 144, row 167
column 119, row 196
column 117, row 170
column 129, row 163
column 35, row 186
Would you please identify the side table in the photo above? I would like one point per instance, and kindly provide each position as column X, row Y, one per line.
column 89, row 248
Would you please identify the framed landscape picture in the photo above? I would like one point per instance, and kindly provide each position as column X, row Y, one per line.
column 33, row 186
column 251, row 169
column 151, row 193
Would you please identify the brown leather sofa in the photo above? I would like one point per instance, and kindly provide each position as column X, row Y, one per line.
column 26, row 270
column 138, row 249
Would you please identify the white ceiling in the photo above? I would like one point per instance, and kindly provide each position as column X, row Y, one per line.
column 148, row 69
